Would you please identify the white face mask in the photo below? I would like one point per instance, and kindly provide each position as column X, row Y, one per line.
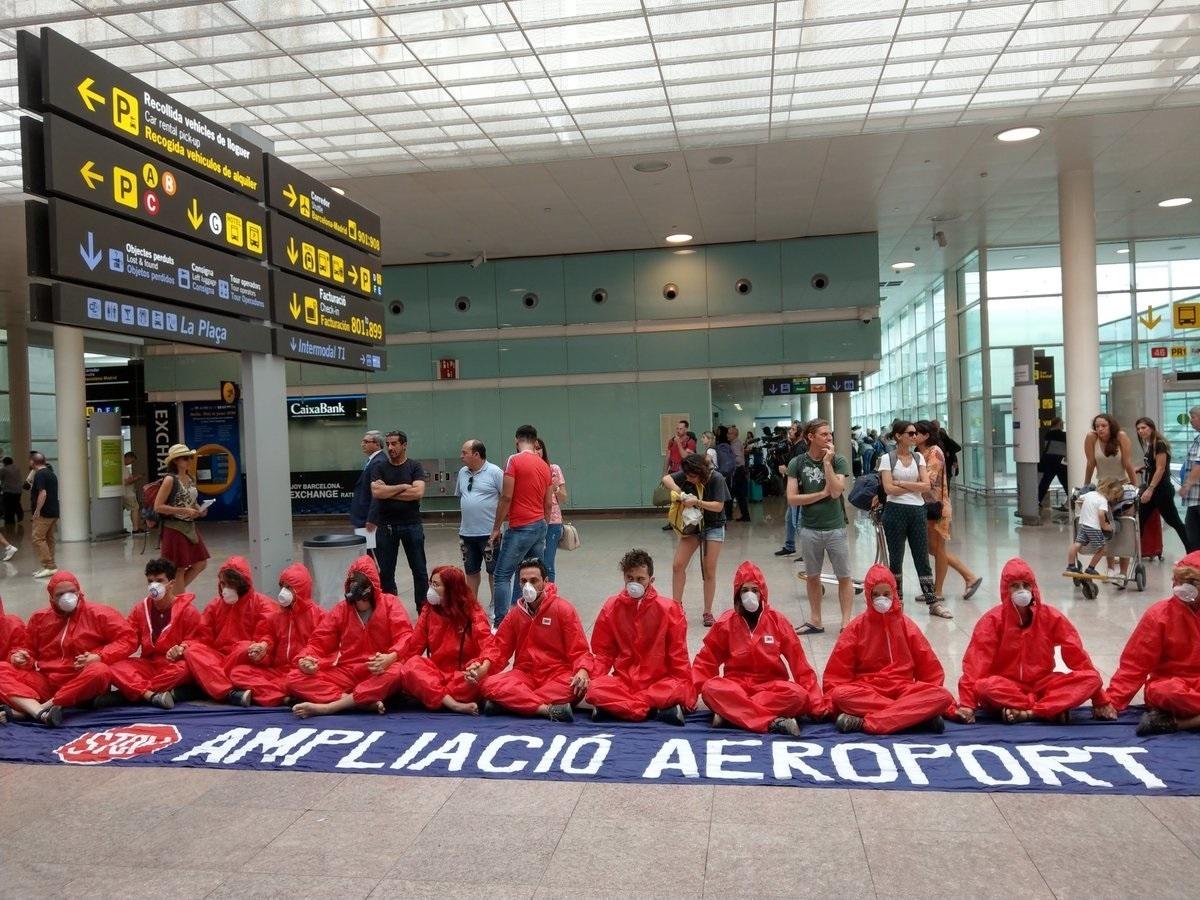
column 67, row 602
column 882, row 604
column 432, row 596
column 750, row 601
column 1022, row 597
column 156, row 590
column 635, row 589
column 1186, row 592
column 529, row 592
column 229, row 595
column 286, row 597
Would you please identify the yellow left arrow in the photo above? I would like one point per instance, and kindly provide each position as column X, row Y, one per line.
column 194, row 214
column 90, row 176
column 294, row 306
column 88, row 96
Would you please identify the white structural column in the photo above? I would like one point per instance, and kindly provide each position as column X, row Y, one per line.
column 841, row 424
column 70, row 400
column 825, row 407
column 1081, row 326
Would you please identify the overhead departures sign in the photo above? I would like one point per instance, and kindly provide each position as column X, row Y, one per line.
column 86, row 87
column 310, row 253
column 314, row 203
column 299, row 303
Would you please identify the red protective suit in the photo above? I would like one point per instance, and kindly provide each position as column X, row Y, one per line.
column 12, row 633
column 54, row 640
column 285, row 633
column 883, row 669
column 643, row 643
column 1007, row 665
column 547, row 648
column 1163, row 656
column 754, row 689
column 342, row 644
column 152, row 671
column 430, row 678
column 224, row 633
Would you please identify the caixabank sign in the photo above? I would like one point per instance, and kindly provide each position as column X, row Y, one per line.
column 351, row 406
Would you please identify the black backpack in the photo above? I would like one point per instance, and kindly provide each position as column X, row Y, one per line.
column 870, row 485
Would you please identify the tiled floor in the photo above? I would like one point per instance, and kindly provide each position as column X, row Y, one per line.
column 99, row 832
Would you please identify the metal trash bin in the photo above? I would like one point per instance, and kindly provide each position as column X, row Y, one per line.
column 327, row 557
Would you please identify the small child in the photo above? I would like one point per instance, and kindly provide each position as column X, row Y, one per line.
column 1095, row 524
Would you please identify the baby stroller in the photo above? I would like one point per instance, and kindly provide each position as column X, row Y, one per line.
column 1125, row 543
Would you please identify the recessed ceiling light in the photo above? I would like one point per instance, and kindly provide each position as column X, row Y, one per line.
column 1122, row 250
column 651, row 165
column 338, row 190
column 720, row 160
column 1013, row 135
column 900, row 266
column 678, row 238
column 1174, row 201
column 437, row 254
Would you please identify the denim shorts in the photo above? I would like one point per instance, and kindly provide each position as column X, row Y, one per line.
column 715, row 534
column 473, row 556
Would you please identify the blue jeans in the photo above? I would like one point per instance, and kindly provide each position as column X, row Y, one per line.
column 388, row 541
column 553, row 533
column 518, row 543
column 792, row 519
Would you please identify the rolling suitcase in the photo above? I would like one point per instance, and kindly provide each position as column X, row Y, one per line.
column 1152, row 538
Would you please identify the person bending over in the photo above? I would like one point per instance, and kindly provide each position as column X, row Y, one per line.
column 643, row 669
column 66, row 656
column 883, row 676
column 544, row 639
column 1009, row 664
column 757, row 647
column 352, row 658
column 260, row 673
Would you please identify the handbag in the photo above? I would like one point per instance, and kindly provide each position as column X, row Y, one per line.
column 569, row 539
column 662, row 495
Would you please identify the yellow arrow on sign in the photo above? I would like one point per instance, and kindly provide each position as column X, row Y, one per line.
column 354, row 274
column 87, row 95
column 90, row 176
column 194, row 214
column 294, row 306
column 290, row 193
column 291, row 250
column 1150, row 320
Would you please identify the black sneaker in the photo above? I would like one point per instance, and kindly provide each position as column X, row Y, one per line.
column 672, row 715
column 785, row 725
column 936, row 725
column 667, row 527
column 238, row 698
column 163, row 700
column 561, row 712
column 491, row 708
column 784, row 551
column 846, row 723
column 1156, row 721
column 599, row 715
column 1074, row 567
column 51, row 716
column 107, row 700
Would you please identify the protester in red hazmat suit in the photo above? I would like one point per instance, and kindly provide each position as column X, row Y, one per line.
column 883, row 676
column 752, row 642
column 12, row 636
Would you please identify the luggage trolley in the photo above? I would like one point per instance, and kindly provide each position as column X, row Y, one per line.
column 1126, row 542
column 881, row 557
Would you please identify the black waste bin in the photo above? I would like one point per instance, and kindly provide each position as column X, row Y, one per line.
column 327, row 557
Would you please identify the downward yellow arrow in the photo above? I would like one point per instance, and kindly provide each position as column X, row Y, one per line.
column 90, row 176
column 290, row 193
column 291, row 251
column 194, row 215
column 294, row 306
column 1150, row 320
column 87, row 95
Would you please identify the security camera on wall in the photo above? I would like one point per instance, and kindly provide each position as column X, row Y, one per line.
column 478, row 261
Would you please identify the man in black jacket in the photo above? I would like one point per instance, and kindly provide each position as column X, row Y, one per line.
column 372, row 446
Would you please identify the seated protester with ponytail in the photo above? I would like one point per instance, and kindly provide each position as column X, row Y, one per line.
column 882, row 676
column 451, row 630
column 643, row 669
column 752, row 671
column 1008, row 667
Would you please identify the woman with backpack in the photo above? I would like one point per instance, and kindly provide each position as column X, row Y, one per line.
column 177, row 508
column 905, row 480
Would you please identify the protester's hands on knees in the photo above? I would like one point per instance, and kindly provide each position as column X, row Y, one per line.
column 579, row 684
column 378, row 663
column 83, row 660
column 257, row 651
column 19, row 658
column 476, row 670
column 1105, row 712
column 176, row 652
column 307, row 665
column 966, row 715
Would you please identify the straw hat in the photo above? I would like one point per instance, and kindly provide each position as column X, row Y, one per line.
column 176, row 451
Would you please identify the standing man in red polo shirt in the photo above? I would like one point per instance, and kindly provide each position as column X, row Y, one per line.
column 679, row 446
column 525, row 503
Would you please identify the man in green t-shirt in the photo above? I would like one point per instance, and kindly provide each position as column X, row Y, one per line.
column 815, row 483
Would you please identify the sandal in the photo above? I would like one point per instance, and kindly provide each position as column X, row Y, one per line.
column 937, row 608
column 809, row 628
column 972, row 588
column 708, row 620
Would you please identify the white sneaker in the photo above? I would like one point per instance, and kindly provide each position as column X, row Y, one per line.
column 10, row 552
column 44, row 573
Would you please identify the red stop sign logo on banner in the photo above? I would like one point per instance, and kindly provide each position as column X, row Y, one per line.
column 93, row 748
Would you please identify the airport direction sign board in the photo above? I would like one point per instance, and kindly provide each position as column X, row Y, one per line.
column 84, row 86
column 315, row 203
column 92, row 247
column 82, row 165
column 98, row 309
column 328, row 351
column 810, row 384
column 312, row 254
column 299, row 303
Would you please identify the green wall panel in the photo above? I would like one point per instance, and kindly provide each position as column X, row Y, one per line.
column 476, row 359
column 407, row 411
column 593, row 353
column 752, row 345
column 517, row 277
column 820, row 342
column 611, row 271
column 407, row 362
column 460, row 416
column 727, row 263
column 655, row 398
column 409, row 285
column 450, row 281
column 547, row 410
column 850, row 261
column 533, row 356
column 603, row 478
column 672, row 350
column 314, row 374
column 655, row 268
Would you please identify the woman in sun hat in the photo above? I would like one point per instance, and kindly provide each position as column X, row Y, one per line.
column 178, row 509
